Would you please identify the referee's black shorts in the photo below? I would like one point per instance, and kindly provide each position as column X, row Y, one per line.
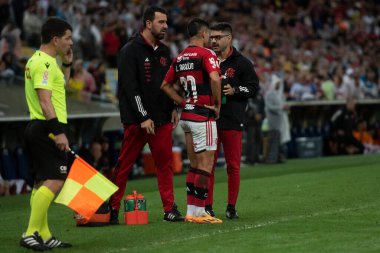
column 46, row 160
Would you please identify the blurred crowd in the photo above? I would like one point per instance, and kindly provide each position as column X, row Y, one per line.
column 321, row 49
column 302, row 50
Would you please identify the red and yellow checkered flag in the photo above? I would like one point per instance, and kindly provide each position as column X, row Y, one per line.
column 85, row 189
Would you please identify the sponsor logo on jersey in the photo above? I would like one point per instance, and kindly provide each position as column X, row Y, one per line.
column 27, row 73
column 179, row 58
column 163, row 61
column 63, row 169
column 189, row 107
column 190, row 54
column 243, row 89
column 45, row 77
column 147, row 67
column 186, row 56
column 230, row 73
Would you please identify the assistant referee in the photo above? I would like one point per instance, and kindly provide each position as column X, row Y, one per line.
column 45, row 95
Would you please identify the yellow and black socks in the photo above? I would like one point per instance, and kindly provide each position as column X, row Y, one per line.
column 40, row 203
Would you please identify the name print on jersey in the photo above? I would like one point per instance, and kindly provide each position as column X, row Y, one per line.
column 184, row 66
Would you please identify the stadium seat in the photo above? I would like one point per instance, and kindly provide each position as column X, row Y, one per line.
column 21, row 163
column 326, row 129
column 311, row 131
column 115, row 138
column 302, row 132
column 295, row 132
column 8, row 163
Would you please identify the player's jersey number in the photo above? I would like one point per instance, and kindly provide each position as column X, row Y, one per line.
column 190, row 87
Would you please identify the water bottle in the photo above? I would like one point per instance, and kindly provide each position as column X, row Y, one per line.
column 129, row 203
column 224, row 99
column 141, row 202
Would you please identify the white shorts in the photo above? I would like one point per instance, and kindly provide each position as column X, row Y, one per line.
column 205, row 135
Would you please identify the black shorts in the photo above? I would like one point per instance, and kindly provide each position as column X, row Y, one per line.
column 46, row 160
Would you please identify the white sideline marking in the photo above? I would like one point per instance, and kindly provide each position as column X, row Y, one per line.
column 242, row 228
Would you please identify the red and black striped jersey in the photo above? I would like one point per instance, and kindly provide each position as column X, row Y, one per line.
column 192, row 67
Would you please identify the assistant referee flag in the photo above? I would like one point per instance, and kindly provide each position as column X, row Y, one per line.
column 85, row 189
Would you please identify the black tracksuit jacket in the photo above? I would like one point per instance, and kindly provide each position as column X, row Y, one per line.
column 239, row 72
column 141, row 70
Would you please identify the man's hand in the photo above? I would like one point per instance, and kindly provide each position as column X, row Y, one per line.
column 148, row 125
column 68, row 57
column 228, row 90
column 175, row 118
column 215, row 108
column 61, row 142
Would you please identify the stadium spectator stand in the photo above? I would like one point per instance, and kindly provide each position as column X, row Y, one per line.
column 323, row 51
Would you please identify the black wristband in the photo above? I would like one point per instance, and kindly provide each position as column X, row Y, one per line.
column 66, row 65
column 55, row 127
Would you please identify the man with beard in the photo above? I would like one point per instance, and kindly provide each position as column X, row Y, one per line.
column 239, row 82
column 147, row 114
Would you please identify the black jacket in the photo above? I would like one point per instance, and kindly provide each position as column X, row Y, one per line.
column 141, row 70
column 344, row 120
column 237, row 71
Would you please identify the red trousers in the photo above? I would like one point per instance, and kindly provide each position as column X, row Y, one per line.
column 231, row 141
column 160, row 145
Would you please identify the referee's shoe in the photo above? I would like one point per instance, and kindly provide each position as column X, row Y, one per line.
column 33, row 242
column 55, row 243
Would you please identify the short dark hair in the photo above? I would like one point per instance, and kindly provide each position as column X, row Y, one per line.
column 149, row 13
column 195, row 26
column 54, row 27
column 222, row 26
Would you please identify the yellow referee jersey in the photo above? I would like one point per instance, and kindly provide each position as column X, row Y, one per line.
column 43, row 72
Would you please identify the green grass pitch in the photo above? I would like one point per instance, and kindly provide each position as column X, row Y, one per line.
column 310, row 205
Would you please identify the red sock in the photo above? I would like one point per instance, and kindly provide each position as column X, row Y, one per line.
column 201, row 182
column 190, row 186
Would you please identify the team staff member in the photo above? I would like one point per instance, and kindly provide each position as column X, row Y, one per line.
column 239, row 82
column 343, row 123
column 147, row 113
column 197, row 69
column 45, row 95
